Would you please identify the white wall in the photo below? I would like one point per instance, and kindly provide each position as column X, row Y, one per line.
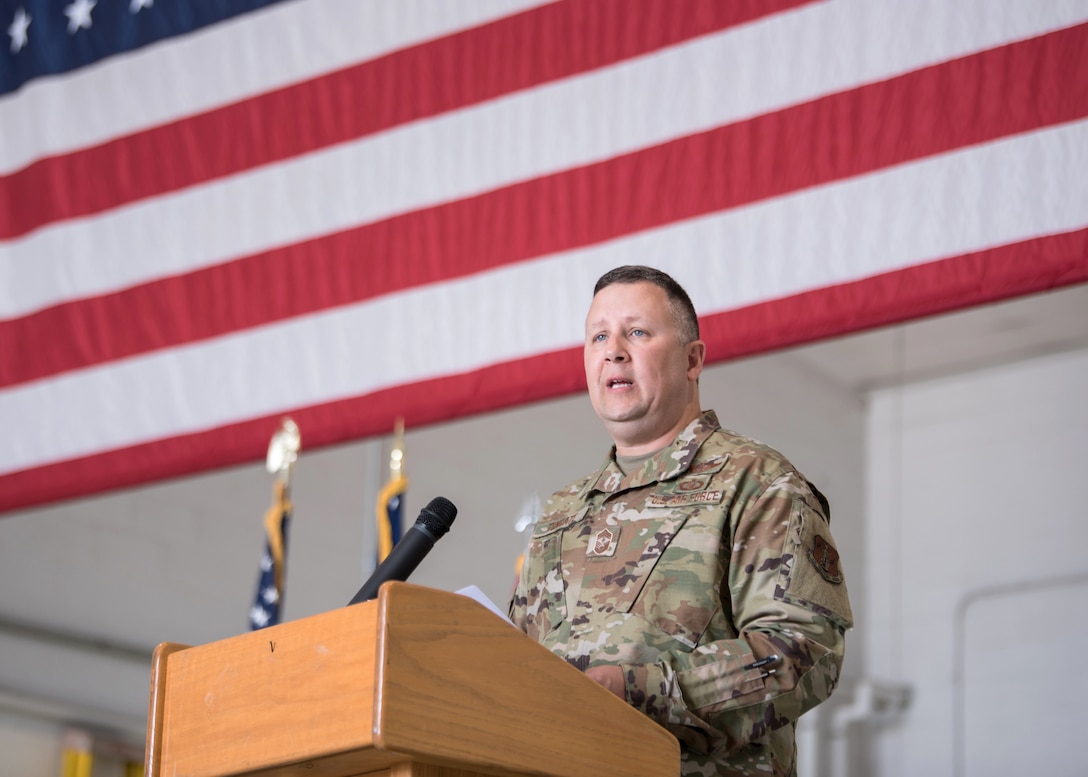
column 976, row 572
column 30, row 746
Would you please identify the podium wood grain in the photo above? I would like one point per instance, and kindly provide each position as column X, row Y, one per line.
column 419, row 683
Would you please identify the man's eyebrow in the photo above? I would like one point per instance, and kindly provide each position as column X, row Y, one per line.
column 633, row 318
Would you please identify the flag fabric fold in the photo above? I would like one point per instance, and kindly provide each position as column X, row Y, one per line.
column 258, row 179
column 267, row 609
column 390, row 504
column 390, row 507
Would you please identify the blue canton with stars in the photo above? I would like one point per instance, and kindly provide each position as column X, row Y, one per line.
column 49, row 37
column 268, row 601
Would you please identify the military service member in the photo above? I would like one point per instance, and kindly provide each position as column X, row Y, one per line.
column 693, row 575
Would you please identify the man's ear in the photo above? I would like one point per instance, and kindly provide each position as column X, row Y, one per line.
column 696, row 358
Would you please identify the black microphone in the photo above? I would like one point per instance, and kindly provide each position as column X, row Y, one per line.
column 434, row 521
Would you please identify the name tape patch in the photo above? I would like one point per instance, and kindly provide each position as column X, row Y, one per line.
column 679, row 500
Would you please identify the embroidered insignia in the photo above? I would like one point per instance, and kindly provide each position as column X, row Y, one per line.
column 604, row 543
column 679, row 500
column 826, row 560
column 690, row 484
column 711, row 465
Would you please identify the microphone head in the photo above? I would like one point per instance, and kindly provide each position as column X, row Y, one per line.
column 437, row 516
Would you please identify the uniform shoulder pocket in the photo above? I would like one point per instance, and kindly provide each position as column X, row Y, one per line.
column 814, row 580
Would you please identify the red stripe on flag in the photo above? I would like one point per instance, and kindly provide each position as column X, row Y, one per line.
column 929, row 289
column 949, row 284
column 941, row 108
column 420, row 403
column 425, row 80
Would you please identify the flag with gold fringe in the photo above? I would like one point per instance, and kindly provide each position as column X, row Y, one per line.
column 268, row 601
column 391, row 497
column 267, row 606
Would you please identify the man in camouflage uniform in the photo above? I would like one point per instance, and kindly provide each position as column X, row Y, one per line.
column 694, row 575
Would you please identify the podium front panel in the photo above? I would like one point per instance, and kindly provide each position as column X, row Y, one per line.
column 294, row 696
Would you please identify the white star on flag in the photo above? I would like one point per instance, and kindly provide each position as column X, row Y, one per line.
column 79, row 14
column 259, row 616
column 17, row 30
column 135, row 6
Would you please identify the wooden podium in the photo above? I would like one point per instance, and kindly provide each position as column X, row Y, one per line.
column 418, row 683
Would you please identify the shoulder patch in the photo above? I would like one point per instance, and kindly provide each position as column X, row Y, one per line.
column 825, row 558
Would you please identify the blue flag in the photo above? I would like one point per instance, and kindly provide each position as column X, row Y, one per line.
column 268, row 601
column 390, row 505
column 391, row 497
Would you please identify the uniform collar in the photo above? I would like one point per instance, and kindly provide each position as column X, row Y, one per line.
column 671, row 461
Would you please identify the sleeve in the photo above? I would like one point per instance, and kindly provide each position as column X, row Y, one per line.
column 783, row 595
column 516, row 609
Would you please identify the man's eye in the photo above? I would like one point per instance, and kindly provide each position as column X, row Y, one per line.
column 638, row 332
column 598, row 338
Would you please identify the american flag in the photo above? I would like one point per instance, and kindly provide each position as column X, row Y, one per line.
column 267, row 608
column 216, row 213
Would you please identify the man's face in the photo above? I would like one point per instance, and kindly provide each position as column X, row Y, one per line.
column 641, row 378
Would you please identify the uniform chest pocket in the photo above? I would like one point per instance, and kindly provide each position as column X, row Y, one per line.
column 619, row 561
column 665, row 577
column 546, row 588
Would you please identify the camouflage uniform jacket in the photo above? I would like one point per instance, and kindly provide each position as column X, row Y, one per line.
column 715, row 554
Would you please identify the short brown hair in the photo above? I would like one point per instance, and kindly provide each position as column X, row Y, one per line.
column 683, row 312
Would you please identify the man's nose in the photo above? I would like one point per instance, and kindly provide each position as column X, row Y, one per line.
column 615, row 354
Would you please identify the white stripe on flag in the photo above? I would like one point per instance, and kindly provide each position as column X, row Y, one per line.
column 951, row 204
column 554, row 127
